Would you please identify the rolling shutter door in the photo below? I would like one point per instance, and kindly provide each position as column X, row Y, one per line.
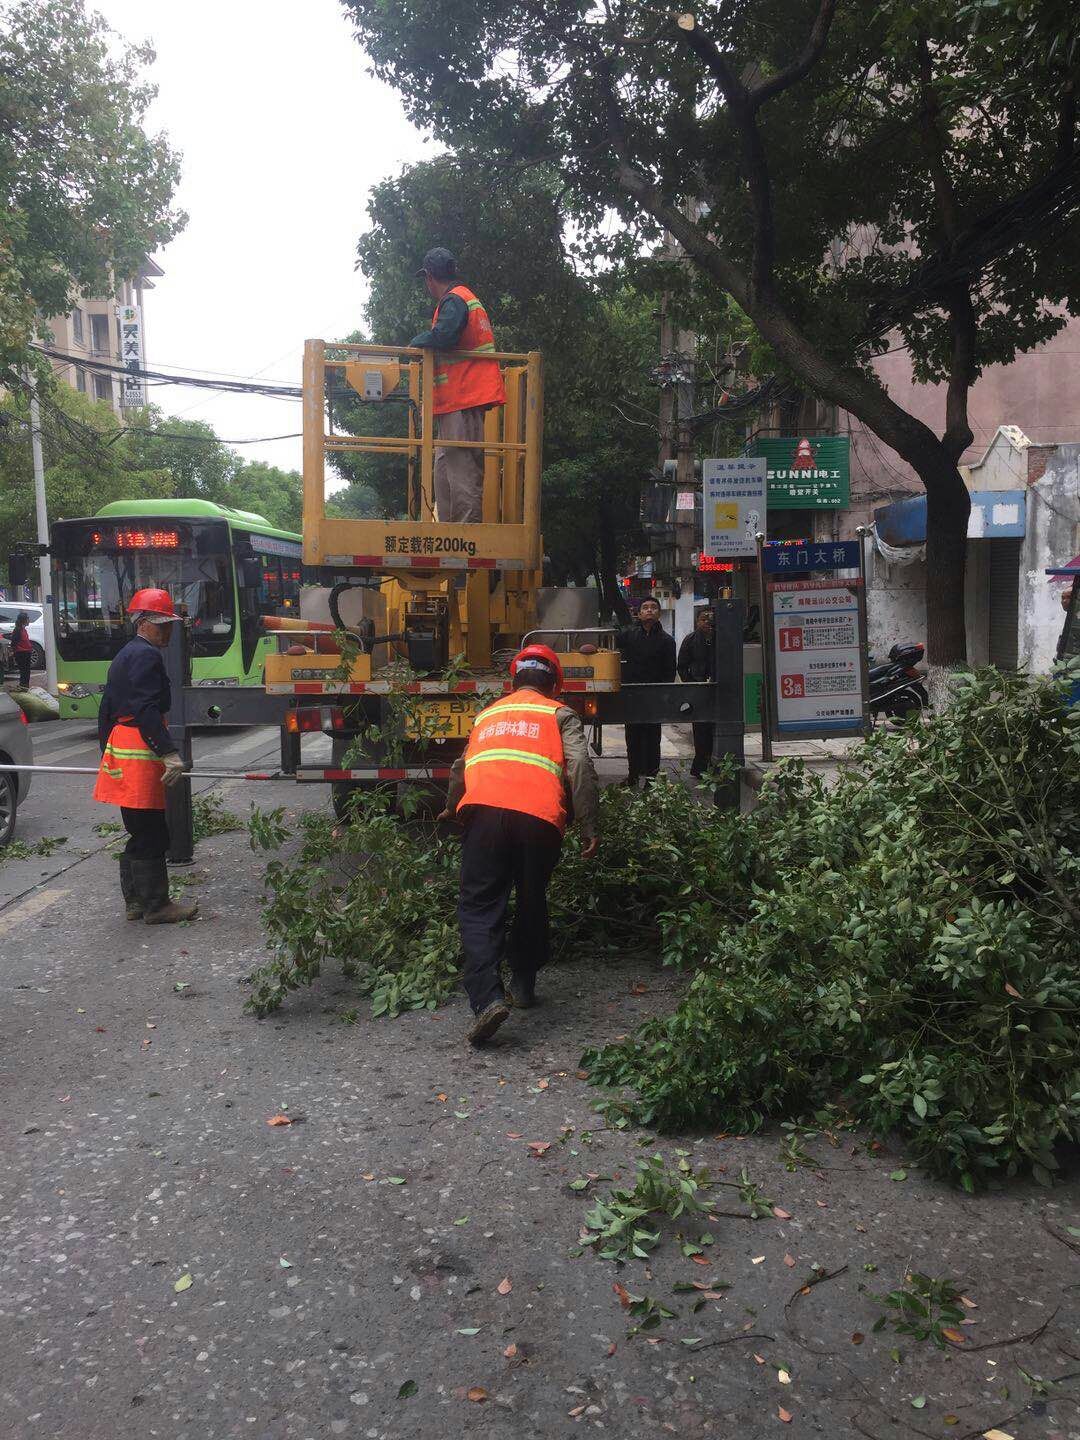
column 1004, row 603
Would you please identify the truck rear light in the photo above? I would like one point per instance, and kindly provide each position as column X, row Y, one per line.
column 591, row 709
column 313, row 719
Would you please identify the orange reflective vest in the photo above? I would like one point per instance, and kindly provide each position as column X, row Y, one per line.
column 462, row 384
column 514, row 759
column 130, row 773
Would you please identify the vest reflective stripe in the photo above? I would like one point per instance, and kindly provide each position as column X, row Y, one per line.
column 515, row 761
column 463, row 383
column 521, row 755
column 130, row 773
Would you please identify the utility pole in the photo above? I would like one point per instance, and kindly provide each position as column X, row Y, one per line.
column 43, row 536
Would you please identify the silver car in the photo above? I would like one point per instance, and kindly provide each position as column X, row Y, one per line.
column 16, row 748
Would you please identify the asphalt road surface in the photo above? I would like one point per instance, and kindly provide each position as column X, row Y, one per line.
column 403, row 1260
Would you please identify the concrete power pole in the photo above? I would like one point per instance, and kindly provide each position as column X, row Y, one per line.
column 43, row 537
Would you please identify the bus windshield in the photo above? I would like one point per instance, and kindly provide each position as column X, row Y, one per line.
column 99, row 564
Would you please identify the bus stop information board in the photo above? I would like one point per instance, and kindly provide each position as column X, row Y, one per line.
column 818, row 658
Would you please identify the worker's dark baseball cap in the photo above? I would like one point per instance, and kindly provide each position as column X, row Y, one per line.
column 439, row 264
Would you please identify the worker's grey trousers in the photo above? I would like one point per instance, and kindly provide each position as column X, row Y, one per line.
column 459, row 474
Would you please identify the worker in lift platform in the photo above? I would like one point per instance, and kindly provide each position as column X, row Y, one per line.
column 465, row 389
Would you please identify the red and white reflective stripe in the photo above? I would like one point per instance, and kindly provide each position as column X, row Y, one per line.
column 378, row 772
column 409, row 561
column 425, row 687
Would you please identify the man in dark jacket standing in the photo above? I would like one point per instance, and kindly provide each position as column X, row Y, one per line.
column 140, row 760
column 648, row 654
column 696, row 663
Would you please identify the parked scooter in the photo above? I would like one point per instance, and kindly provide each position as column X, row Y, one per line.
column 896, row 688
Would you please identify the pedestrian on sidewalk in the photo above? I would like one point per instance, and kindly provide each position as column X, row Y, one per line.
column 696, row 659
column 139, row 759
column 465, row 389
column 22, row 648
column 648, row 656
column 525, row 775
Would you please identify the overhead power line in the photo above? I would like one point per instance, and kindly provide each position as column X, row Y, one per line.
column 197, row 382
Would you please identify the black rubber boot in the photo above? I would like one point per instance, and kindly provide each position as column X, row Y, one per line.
column 487, row 1022
column 132, row 899
column 152, row 880
column 521, row 992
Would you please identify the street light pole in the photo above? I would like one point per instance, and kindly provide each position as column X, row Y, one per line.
column 43, row 537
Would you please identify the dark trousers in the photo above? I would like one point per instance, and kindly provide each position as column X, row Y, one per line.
column 642, row 750
column 22, row 664
column 504, row 851
column 703, row 743
column 148, row 833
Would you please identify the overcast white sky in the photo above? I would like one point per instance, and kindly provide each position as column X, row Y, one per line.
column 283, row 134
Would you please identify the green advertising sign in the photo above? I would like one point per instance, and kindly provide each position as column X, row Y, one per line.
column 806, row 472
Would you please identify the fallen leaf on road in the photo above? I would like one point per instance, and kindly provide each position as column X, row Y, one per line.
column 441, row 1098
column 919, row 1402
column 858, row 1338
column 582, row 1074
column 712, row 1295
column 469, row 1330
column 623, row 1294
column 184, row 1283
column 951, row 1419
column 954, row 1336
column 513, row 1135
column 279, row 1120
column 789, row 1261
column 757, row 1260
column 577, row 1410
column 539, row 1147
column 968, row 1304
column 396, row 1179
column 407, row 1389
column 821, row 1204
column 477, row 1394
column 149, row 1026
column 285, row 1264
column 898, row 1175
column 464, row 1220
column 996, row 1435
column 780, row 1214
column 611, row 1349
column 101, row 1029
column 542, row 1084
column 760, row 1359
column 510, row 1352
column 639, row 988
column 505, row 1285
column 784, row 1415
column 369, row 1176
column 701, row 1259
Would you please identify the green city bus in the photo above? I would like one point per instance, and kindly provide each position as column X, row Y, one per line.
column 225, row 569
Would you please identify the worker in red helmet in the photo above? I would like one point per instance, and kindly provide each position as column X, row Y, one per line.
column 139, row 758
column 525, row 775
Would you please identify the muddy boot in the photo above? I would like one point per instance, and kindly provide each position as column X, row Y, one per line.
column 132, row 899
column 152, row 879
column 487, row 1022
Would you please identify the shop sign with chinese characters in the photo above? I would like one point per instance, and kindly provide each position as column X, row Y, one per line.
column 132, row 396
column 733, row 506
column 807, row 472
column 818, row 653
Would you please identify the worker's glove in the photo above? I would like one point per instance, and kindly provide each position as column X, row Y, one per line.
column 174, row 770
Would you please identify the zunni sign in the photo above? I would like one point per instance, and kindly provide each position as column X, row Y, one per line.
column 807, row 473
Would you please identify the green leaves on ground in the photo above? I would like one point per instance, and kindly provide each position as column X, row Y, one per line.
column 925, row 1308
column 210, row 817
column 906, row 938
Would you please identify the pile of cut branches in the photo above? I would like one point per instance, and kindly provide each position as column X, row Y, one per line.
column 904, row 942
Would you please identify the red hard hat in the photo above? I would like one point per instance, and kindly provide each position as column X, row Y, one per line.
column 540, row 652
column 152, row 602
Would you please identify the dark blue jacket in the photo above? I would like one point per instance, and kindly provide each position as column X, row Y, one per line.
column 137, row 685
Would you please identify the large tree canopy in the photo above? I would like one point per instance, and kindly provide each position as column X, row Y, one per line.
column 597, row 336
column 85, row 193
column 844, row 172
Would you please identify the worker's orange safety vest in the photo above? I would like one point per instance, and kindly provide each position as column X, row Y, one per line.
column 514, row 759
column 130, row 773
column 462, row 384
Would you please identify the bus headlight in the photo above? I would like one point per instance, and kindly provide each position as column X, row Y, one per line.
column 74, row 691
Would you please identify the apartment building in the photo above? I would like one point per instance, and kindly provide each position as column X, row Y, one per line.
column 102, row 332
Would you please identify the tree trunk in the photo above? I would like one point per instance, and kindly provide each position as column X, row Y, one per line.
column 948, row 505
